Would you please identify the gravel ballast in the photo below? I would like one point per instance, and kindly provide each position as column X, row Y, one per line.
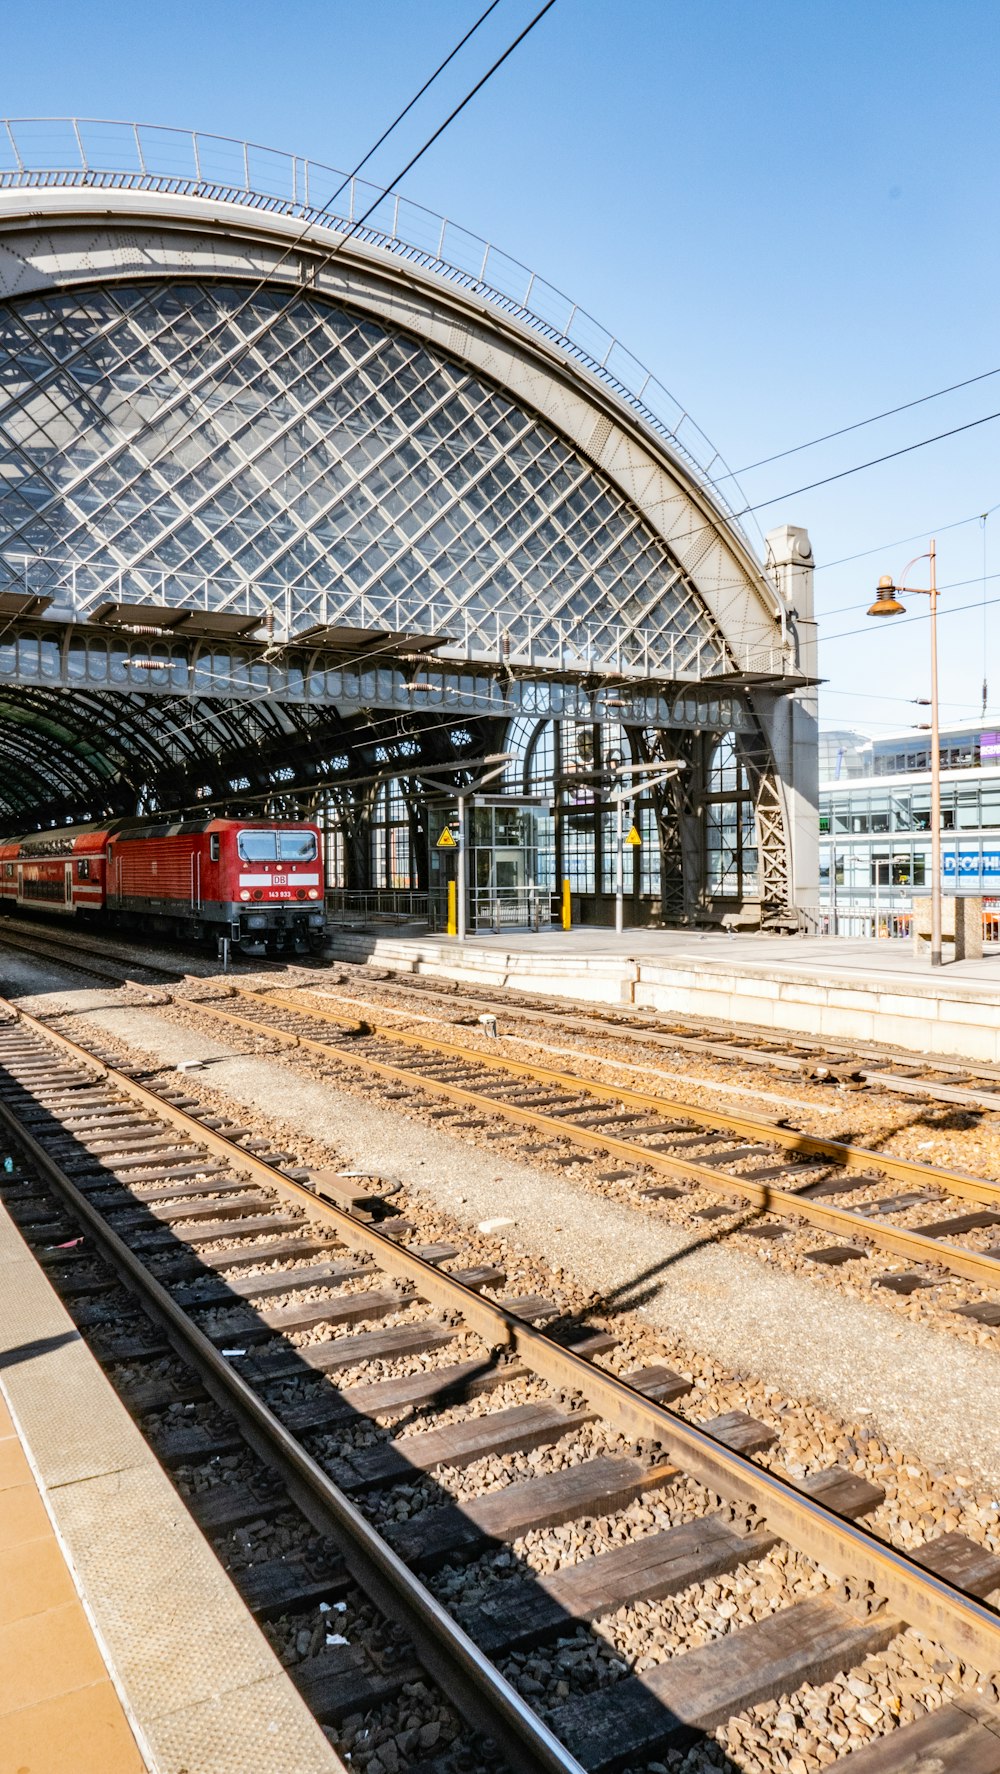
column 915, row 1386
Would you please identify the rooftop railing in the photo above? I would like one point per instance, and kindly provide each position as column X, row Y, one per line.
column 104, row 154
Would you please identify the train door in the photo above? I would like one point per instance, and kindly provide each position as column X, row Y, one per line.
column 67, row 883
column 20, row 884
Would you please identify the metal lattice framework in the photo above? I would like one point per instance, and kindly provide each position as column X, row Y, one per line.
column 109, row 154
column 335, row 456
column 219, row 391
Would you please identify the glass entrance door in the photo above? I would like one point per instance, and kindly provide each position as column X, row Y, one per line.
column 503, row 871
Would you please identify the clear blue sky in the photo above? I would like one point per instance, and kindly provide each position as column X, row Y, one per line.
column 788, row 209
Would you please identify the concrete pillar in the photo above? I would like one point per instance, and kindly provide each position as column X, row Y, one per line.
column 793, row 726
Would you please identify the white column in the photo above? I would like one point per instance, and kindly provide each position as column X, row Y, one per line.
column 794, row 726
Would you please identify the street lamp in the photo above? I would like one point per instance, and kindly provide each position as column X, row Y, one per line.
column 887, row 604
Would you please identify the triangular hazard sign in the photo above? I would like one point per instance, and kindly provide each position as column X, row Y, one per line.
column 447, row 840
column 633, row 836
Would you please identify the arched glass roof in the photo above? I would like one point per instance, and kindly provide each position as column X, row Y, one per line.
column 330, row 452
column 110, row 154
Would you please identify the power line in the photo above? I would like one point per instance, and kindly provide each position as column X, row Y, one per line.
column 187, row 398
column 859, row 424
column 860, row 467
column 949, row 585
column 921, row 616
column 386, row 133
column 228, row 319
column 919, row 535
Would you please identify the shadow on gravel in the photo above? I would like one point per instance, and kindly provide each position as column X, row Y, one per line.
column 529, row 1625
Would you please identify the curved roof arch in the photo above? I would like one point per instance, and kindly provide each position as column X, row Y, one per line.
column 68, row 223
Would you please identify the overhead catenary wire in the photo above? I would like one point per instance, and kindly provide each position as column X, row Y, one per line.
column 227, row 320
column 859, row 424
column 187, row 398
column 860, row 467
column 986, row 685
column 958, row 523
column 924, row 615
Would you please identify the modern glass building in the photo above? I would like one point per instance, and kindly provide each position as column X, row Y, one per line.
column 875, row 820
column 311, row 513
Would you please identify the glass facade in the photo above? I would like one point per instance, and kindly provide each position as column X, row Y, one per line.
column 730, row 825
column 577, row 837
column 391, row 839
column 875, row 845
column 204, row 432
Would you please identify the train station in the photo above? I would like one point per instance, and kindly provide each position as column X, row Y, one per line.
column 498, row 1192
column 316, row 535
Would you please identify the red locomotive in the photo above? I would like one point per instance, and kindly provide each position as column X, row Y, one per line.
column 256, row 882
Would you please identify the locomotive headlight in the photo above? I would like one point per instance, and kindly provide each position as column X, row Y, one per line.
column 245, row 893
column 313, row 893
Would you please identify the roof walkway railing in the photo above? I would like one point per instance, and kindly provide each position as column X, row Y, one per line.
column 100, row 153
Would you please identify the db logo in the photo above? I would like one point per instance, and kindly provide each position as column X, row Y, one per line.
column 279, row 880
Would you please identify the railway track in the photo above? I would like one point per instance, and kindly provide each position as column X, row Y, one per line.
column 200, row 1228
column 767, row 1175
column 98, row 962
column 939, row 1080
column 104, row 960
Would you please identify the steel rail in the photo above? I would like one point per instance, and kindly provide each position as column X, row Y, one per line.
column 932, row 1604
column 839, row 1152
column 101, row 965
column 481, row 1693
column 915, row 1246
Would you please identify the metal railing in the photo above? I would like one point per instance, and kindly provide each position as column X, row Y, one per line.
column 108, row 154
column 541, row 640
column 509, row 908
column 887, row 926
column 390, row 905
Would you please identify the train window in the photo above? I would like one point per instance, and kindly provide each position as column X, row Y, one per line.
column 262, row 846
column 258, row 846
column 213, row 847
column 83, row 869
column 8, row 869
column 297, row 846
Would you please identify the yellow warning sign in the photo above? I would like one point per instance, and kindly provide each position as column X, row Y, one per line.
column 447, row 840
column 633, row 836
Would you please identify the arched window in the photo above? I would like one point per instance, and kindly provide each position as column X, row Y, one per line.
column 730, row 827
column 392, row 853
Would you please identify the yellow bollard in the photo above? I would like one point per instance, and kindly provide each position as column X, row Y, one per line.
column 566, row 910
column 452, row 909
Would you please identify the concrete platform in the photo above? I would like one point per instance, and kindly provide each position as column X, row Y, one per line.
column 825, row 987
column 58, row 1707
column 123, row 1644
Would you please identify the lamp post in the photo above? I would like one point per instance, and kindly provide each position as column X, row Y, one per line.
column 652, row 774
column 887, row 604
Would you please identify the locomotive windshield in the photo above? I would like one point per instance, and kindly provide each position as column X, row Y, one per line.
column 277, row 846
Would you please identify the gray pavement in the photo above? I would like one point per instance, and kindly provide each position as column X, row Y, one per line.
column 807, row 956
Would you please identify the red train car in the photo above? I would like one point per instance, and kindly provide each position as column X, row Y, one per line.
column 256, row 881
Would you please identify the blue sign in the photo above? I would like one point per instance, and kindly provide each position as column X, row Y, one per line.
column 966, row 864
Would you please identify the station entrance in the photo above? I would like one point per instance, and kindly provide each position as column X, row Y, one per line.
column 505, row 856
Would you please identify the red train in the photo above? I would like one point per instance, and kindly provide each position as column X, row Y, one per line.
column 255, row 881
